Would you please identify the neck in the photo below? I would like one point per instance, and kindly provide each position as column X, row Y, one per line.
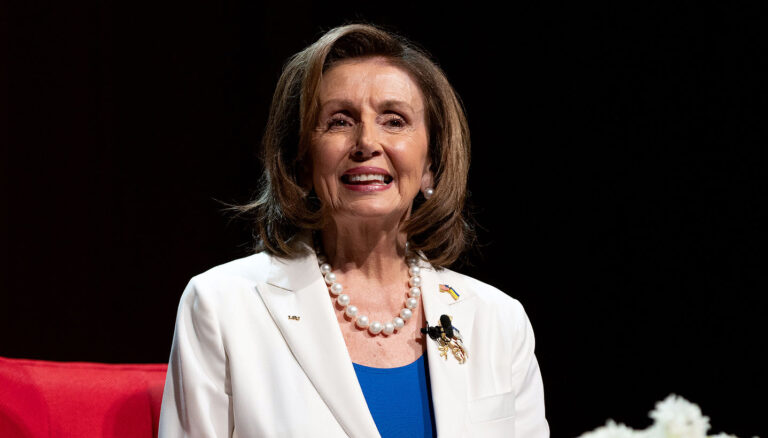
column 372, row 251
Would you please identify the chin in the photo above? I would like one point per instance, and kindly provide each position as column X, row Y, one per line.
column 376, row 210
column 377, row 213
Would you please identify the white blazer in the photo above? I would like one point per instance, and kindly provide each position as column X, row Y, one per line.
column 240, row 366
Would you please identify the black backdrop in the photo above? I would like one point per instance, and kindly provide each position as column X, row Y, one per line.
column 618, row 178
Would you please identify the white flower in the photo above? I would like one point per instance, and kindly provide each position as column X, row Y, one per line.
column 612, row 430
column 676, row 417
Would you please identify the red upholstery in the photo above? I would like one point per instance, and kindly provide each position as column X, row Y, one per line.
column 79, row 399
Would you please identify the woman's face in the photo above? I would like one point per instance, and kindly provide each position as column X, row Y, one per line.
column 369, row 148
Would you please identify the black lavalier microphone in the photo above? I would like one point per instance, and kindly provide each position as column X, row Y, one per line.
column 445, row 323
column 436, row 331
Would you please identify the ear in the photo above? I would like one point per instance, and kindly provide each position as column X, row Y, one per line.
column 427, row 178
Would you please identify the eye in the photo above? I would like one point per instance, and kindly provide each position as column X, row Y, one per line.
column 339, row 121
column 394, row 121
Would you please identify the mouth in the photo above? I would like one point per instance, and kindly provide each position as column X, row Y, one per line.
column 366, row 178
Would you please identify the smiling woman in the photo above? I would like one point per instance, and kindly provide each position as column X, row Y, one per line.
column 326, row 329
column 289, row 202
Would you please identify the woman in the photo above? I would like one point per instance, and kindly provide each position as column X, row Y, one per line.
column 346, row 323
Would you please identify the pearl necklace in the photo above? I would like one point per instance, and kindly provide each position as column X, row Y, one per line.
column 362, row 321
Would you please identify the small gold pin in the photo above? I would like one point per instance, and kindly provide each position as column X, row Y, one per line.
column 294, row 317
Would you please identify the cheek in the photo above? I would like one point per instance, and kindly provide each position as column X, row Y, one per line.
column 325, row 161
column 419, row 148
column 411, row 158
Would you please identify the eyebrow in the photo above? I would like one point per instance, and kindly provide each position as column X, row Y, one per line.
column 389, row 103
column 339, row 102
column 393, row 103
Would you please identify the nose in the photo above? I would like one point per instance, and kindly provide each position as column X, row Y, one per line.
column 367, row 143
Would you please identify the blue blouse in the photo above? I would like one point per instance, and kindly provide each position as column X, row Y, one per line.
column 399, row 399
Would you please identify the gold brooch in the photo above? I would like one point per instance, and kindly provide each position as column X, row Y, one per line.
column 448, row 338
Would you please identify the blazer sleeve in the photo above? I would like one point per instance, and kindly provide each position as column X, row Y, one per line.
column 197, row 394
column 530, row 420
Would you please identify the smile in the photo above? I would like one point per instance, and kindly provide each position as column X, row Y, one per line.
column 366, row 179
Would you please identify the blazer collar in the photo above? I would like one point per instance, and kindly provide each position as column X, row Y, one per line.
column 296, row 287
column 448, row 378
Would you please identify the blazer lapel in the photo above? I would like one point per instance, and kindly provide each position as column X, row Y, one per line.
column 448, row 378
column 296, row 288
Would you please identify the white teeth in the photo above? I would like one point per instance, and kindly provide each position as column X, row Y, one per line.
column 366, row 177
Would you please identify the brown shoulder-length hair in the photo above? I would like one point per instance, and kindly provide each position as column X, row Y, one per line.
column 286, row 206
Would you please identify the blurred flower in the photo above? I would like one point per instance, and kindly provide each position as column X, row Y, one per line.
column 676, row 417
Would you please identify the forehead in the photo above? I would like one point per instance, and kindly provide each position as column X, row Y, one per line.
column 374, row 78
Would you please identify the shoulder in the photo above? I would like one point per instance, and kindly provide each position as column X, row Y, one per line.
column 479, row 290
column 253, row 268
column 488, row 299
column 500, row 318
column 241, row 274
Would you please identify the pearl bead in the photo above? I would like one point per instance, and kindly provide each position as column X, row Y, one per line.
column 362, row 321
column 429, row 192
column 375, row 327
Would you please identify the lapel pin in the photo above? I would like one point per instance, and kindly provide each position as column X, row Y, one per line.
column 294, row 317
column 448, row 338
column 450, row 291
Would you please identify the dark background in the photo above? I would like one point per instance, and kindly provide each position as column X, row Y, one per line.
column 618, row 178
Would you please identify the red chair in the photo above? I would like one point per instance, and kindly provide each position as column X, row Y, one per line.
column 79, row 399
